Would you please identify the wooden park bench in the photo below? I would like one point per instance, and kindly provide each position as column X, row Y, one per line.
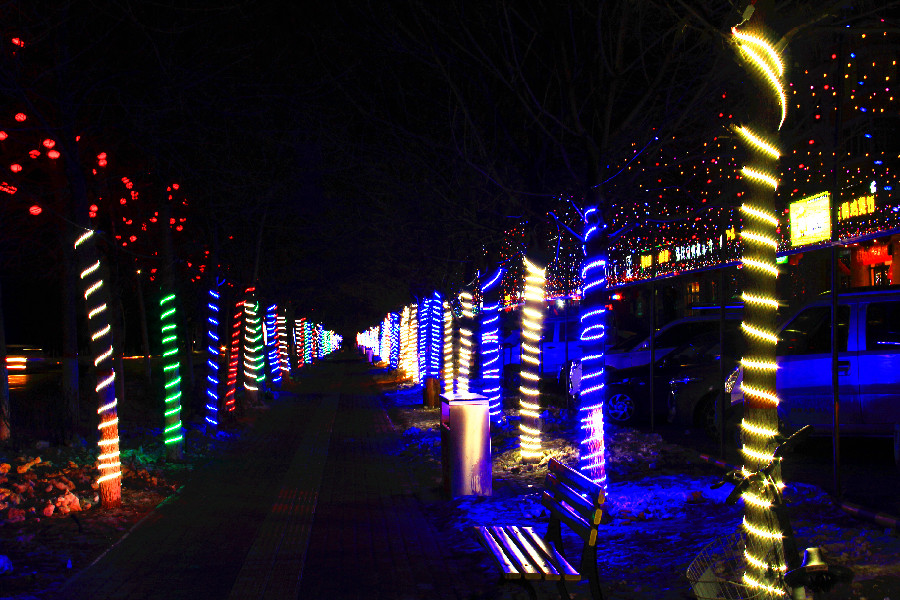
column 524, row 556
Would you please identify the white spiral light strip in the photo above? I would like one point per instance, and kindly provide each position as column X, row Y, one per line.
column 529, row 389
column 465, row 342
column 764, row 552
column 95, row 296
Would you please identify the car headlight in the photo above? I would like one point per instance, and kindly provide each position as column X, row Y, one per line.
column 732, row 379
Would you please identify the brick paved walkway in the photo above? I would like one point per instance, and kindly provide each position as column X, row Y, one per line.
column 309, row 504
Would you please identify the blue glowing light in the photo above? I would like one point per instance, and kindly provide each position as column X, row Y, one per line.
column 491, row 365
column 213, row 363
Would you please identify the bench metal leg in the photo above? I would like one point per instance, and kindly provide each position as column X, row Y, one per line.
column 563, row 591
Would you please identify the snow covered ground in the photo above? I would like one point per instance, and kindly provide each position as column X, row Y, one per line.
column 660, row 496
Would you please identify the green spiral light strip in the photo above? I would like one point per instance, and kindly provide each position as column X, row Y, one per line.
column 172, row 433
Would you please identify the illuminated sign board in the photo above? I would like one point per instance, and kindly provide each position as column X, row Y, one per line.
column 811, row 219
column 858, row 207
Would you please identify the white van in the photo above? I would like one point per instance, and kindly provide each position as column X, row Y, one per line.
column 868, row 337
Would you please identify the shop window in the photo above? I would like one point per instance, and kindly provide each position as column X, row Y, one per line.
column 881, row 275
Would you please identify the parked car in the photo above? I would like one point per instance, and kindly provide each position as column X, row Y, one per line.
column 635, row 352
column 628, row 389
column 560, row 348
column 693, row 393
column 868, row 338
column 24, row 358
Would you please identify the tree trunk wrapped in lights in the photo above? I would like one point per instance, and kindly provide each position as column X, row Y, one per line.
column 765, row 553
column 529, row 376
column 429, row 349
column 96, row 297
column 593, row 337
column 172, row 430
column 394, row 354
column 449, row 354
column 491, row 365
column 254, row 359
column 464, row 349
column 213, row 361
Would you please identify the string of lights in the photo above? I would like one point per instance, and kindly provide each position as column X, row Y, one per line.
column 172, row 431
column 213, row 353
column 234, row 356
column 271, row 344
column 529, row 389
column 764, row 551
column 491, row 364
column 593, row 330
column 96, row 297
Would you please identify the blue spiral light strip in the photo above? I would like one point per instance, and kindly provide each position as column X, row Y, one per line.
column 593, row 329
column 272, row 345
column 213, row 354
column 430, row 321
column 490, row 345
column 394, row 324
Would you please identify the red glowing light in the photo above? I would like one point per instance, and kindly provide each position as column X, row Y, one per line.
column 34, row 153
column 48, row 143
column 9, row 189
column 15, row 167
column 132, row 238
column 179, row 228
column 3, row 135
column 101, row 163
column 153, row 219
column 18, row 42
column 172, row 221
column 94, row 208
column 35, row 210
column 174, row 186
column 121, row 200
column 20, row 117
column 92, row 215
column 101, row 156
column 53, row 154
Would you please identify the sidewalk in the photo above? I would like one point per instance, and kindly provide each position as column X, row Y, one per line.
column 309, row 504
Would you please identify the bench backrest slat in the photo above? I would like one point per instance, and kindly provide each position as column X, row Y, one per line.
column 577, row 481
column 563, row 512
column 587, row 510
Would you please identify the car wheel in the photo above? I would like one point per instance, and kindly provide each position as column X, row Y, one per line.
column 620, row 408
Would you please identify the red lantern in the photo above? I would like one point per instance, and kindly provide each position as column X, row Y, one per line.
column 35, row 210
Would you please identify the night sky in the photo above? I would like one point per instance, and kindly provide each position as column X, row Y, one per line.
column 346, row 158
